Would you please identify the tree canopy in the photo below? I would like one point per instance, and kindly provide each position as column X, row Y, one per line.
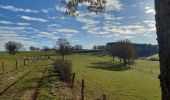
column 63, row 47
column 12, row 47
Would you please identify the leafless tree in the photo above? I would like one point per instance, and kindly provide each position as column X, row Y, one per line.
column 32, row 48
column 63, row 47
column 45, row 49
column 112, row 51
column 126, row 51
column 78, row 47
column 12, row 47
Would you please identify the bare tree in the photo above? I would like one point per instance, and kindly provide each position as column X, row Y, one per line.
column 94, row 47
column 63, row 47
column 112, row 51
column 32, row 48
column 126, row 51
column 162, row 8
column 12, row 47
column 45, row 49
column 37, row 49
column 78, row 47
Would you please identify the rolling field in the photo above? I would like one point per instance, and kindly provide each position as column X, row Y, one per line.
column 101, row 75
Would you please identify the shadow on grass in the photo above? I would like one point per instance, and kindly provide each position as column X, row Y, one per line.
column 109, row 66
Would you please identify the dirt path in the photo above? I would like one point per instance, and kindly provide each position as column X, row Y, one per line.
column 26, row 88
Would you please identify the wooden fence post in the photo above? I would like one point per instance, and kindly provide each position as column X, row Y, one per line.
column 82, row 90
column 104, row 97
column 3, row 67
column 72, row 83
column 16, row 64
column 24, row 62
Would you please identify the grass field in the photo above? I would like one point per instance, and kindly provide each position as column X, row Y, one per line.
column 101, row 75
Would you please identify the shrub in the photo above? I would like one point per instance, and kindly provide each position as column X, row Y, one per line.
column 64, row 68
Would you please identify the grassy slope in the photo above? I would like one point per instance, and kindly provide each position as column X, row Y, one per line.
column 138, row 83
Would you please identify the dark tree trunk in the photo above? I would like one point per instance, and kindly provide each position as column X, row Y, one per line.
column 120, row 59
column 162, row 8
column 113, row 57
column 128, row 61
column 124, row 62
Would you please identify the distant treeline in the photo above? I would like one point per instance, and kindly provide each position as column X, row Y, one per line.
column 89, row 51
column 141, row 49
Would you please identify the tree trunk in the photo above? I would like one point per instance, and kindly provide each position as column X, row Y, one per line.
column 162, row 8
column 63, row 57
column 113, row 58
column 124, row 61
column 120, row 59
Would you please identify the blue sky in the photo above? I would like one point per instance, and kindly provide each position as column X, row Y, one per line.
column 41, row 22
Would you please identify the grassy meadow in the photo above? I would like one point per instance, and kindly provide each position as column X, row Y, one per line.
column 101, row 75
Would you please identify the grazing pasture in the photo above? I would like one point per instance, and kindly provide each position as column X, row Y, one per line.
column 101, row 75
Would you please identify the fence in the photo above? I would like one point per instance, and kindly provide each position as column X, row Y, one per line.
column 82, row 86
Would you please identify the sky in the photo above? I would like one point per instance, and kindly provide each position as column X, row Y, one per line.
column 41, row 22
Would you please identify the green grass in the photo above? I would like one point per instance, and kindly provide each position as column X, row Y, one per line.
column 53, row 89
column 103, row 77
column 153, row 57
column 25, row 88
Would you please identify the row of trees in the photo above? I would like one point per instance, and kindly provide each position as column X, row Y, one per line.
column 123, row 49
column 99, row 47
column 63, row 47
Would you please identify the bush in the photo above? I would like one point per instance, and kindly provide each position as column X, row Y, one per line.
column 64, row 68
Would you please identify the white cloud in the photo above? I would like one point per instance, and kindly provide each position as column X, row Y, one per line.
column 131, row 30
column 14, row 9
column 6, row 22
column 45, row 33
column 11, row 35
column 87, row 21
column 46, row 10
column 67, row 30
column 149, row 10
column 109, row 17
column 33, row 19
column 23, row 24
column 60, row 9
column 14, row 28
column 114, row 5
column 11, row 23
